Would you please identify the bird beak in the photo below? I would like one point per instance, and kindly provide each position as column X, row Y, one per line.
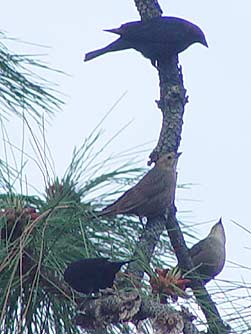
column 220, row 221
column 178, row 154
column 204, row 42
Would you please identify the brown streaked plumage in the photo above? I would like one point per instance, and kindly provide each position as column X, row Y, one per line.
column 209, row 254
column 153, row 194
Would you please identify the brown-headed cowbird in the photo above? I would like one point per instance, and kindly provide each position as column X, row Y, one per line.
column 157, row 38
column 208, row 257
column 209, row 254
column 152, row 195
column 92, row 274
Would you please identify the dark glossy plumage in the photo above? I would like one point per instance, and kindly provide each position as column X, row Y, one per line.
column 209, row 254
column 156, row 39
column 153, row 194
column 92, row 274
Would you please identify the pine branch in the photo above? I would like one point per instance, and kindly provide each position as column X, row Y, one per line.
column 22, row 90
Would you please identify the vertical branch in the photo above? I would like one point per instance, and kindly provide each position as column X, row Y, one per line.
column 146, row 244
column 148, row 9
column 155, row 226
column 171, row 103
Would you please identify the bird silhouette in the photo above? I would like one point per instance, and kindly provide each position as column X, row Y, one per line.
column 92, row 274
column 158, row 38
column 152, row 195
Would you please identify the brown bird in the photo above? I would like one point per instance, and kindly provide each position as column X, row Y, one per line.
column 208, row 257
column 209, row 254
column 152, row 195
column 157, row 38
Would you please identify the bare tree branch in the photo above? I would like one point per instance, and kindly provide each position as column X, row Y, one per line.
column 148, row 9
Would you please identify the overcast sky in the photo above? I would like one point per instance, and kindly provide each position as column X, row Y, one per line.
column 216, row 135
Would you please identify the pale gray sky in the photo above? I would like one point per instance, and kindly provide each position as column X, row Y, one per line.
column 216, row 136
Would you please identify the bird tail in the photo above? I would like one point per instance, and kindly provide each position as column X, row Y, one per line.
column 117, row 45
column 108, row 211
column 93, row 54
column 105, row 212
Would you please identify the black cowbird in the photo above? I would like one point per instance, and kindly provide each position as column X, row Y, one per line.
column 209, row 254
column 157, row 38
column 152, row 195
column 92, row 274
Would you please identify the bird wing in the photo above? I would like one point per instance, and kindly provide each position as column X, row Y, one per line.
column 156, row 30
column 196, row 250
column 203, row 253
column 149, row 186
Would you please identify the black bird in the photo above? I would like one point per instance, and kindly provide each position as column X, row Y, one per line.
column 158, row 38
column 92, row 274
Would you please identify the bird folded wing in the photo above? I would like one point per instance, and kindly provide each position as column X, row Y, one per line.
column 197, row 249
column 154, row 31
column 151, row 185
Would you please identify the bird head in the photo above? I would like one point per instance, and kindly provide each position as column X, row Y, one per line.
column 217, row 232
column 168, row 160
column 197, row 35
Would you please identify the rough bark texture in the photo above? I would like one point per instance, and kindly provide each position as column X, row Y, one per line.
column 146, row 244
column 123, row 306
column 171, row 103
column 148, row 9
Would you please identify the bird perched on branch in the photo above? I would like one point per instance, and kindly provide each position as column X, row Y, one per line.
column 152, row 195
column 158, row 38
column 209, row 254
column 208, row 257
column 92, row 274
